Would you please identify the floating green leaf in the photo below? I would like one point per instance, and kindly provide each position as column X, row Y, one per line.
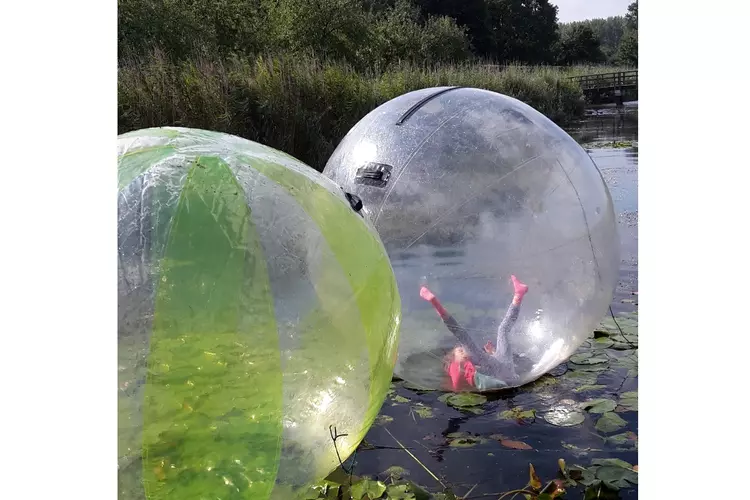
column 582, row 475
column 368, row 489
column 610, row 422
column 465, row 442
column 578, row 451
column 457, row 434
column 422, row 410
column 463, row 400
column 601, row 405
column 399, row 492
column 611, row 461
column 564, row 416
column 616, row 477
column 589, row 387
column 629, row 401
column 415, row 387
column 383, row 419
column 543, row 382
column 395, row 473
column 624, row 343
column 400, row 399
column 518, row 414
column 444, row 495
column 588, row 358
column 602, row 343
column 627, row 439
column 579, row 377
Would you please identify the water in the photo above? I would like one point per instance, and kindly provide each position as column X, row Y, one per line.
column 431, row 429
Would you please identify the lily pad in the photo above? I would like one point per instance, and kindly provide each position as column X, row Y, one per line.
column 625, row 439
column 624, row 343
column 400, row 399
column 602, row 343
column 630, row 361
column 519, row 415
column 594, row 369
column 629, row 401
column 399, row 492
column 564, row 416
column 543, row 382
column 582, row 475
column 395, row 473
column 579, row 378
column 589, row 387
column 611, row 461
column 415, row 387
column 616, row 477
column 368, row 489
column 610, row 422
column 457, row 434
column 383, row 419
column 588, row 358
column 476, row 410
column 465, row 442
column 601, row 405
column 463, row 400
column 577, row 450
column 422, row 410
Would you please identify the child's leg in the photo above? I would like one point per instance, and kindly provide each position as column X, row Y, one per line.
column 487, row 383
column 502, row 349
column 457, row 330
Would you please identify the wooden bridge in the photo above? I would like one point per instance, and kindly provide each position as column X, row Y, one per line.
column 607, row 88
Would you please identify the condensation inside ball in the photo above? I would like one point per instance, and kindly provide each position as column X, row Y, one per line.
column 256, row 311
column 467, row 187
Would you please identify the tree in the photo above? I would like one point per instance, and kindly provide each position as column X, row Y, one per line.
column 609, row 31
column 627, row 54
column 444, row 40
column 400, row 35
column 632, row 16
column 524, row 30
column 183, row 27
column 472, row 14
column 579, row 45
column 628, row 51
column 330, row 28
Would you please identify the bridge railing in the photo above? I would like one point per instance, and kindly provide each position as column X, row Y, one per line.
column 608, row 80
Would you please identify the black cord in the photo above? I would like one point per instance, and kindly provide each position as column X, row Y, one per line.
column 622, row 334
column 334, row 436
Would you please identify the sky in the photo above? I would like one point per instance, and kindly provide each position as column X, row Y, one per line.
column 578, row 10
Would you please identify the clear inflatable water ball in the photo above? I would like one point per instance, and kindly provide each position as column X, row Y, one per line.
column 500, row 229
column 258, row 313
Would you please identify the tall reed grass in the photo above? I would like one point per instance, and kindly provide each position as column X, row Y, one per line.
column 302, row 105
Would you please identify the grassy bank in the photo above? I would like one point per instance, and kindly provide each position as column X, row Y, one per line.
column 305, row 106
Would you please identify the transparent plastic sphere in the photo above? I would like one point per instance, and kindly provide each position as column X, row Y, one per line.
column 467, row 187
column 256, row 310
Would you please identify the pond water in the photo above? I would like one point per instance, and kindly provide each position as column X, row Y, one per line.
column 486, row 447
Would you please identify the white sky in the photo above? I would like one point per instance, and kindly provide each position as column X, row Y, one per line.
column 578, row 10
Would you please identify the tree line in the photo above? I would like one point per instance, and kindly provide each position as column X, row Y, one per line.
column 376, row 34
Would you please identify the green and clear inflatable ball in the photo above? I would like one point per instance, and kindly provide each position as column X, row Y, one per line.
column 256, row 310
